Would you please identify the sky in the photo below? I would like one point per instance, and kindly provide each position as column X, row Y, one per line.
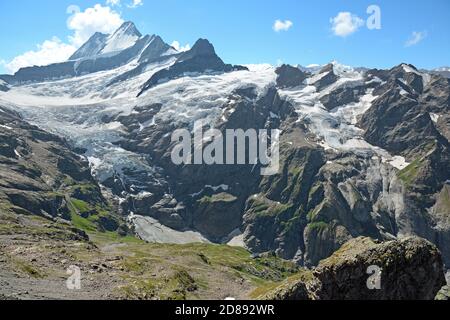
column 375, row 33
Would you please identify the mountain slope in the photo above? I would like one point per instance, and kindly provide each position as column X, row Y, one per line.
column 363, row 152
column 200, row 59
column 92, row 47
column 40, row 175
column 124, row 37
column 3, row 86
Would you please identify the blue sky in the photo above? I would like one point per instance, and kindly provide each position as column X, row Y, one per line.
column 242, row 32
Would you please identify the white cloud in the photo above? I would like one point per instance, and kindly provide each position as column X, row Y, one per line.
column 180, row 48
column 345, row 23
column 95, row 19
column 83, row 24
column 113, row 2
column 135, row 4
column 415, row 38
column 2, row 66
column 282, row 25
column 50, row 51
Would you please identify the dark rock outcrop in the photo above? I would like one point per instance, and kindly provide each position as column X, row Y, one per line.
column 4, row 86
column 342, row 96
column 153, row 53
column 289, row 76
column 200, row 59
column 326, row 77
column 406, row 269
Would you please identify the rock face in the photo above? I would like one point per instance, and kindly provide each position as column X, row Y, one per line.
column 156, row 51
column 410, row 118
column 325, row 77
column 40, row 175
column 289, row 76
column 342, row 96
column 201, row 194
column 445, row 72
column 92, row 47
column 201, row 58
column 409, row 269
column 124, row 37
column 3, row 86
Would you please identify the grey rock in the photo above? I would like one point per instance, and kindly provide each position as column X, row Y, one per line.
column 201, row 58
column 92, row 47
column 289, row 76
column 410, row 269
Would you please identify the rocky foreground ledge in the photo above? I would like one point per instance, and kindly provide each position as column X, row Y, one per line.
column 411, row 268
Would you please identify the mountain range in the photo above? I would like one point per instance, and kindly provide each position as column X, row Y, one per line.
column 86, row 145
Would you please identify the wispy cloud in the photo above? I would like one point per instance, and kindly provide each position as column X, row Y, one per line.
column 96, row 19
column 345, row 23
column 135, row 4
column 113, row 3
column 50, row 51
column 282, row 25
column 415, row 38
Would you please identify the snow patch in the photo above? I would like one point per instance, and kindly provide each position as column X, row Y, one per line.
column 150, row 230
column 435, row 117
column 5, row 127
column 397, row 162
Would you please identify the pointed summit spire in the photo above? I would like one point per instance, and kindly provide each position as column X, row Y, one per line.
column 128, row 28
column 124, row 37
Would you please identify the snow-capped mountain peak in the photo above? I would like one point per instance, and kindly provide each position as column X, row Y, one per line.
column 92, row 47
column 124, row 37
column 442, row 69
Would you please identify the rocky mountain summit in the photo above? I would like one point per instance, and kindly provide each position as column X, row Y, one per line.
column 408, row 269
column 200, row 59
column 99, row 43
column 363, row 152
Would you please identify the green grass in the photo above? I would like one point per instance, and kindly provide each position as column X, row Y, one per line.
column 220, row 197
column 318, row 226
column 314, row 189
column 82, row 223
column 313, row 215
column 81, row 206
column 108, row 237
column 292, row 224
column 266, row 291
column 409, row 174
column 193, row 268
column 265, row 207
